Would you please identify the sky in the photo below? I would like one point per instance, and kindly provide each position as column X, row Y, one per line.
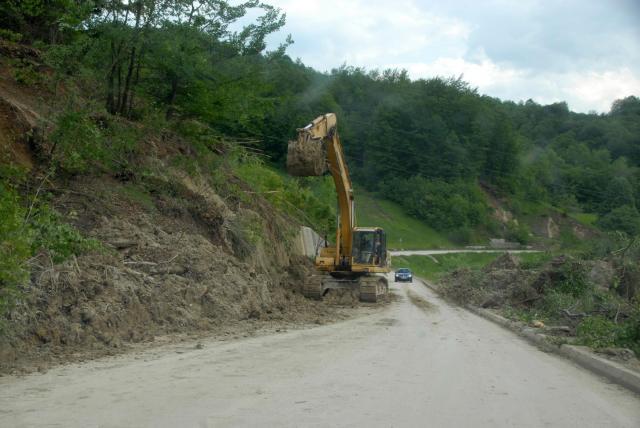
column 584, row 52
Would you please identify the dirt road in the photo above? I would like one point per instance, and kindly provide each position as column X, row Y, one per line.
column 417, row 362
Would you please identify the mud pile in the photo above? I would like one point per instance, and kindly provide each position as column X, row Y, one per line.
column 505, row 282
column 500, row 282
column 306, row 158
column 185, row 261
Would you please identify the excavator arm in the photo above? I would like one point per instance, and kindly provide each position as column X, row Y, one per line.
column 359, row 256
column 324, row 128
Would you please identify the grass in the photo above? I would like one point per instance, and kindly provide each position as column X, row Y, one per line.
column 403, row 231
column 435, row 267
column 137, row 194
column 588, row 219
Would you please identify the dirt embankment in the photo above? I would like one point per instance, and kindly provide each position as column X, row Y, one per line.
column 168, row 264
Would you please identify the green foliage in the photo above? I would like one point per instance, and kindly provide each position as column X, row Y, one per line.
column 78, row 144
column 15, row 245
column 518, row 232
column 10, row 35
column 59, row 238
column 588, row 219
column 573, row 280
column 288, row 195
column 82, row 144
column 23, row 232
column 534, row 260
column 25, row 72
column 47, row 20
column 442, row 205
column 403, row 231
column 625, row 219
column 598, row 332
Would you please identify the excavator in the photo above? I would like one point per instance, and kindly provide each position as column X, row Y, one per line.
column 358, row 260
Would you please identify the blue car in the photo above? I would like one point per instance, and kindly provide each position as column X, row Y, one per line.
column 404, row 274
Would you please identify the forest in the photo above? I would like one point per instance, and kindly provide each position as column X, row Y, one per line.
column 436, row 146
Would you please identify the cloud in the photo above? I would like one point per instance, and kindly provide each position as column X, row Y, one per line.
column 585, row 52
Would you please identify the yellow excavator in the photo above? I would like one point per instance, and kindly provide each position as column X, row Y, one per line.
column 358, row 261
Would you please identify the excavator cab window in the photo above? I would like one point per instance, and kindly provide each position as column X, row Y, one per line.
column 369, row 247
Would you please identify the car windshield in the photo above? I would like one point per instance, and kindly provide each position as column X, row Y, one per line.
column 403, row 270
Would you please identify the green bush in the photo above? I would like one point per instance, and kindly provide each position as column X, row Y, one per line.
column 60, row 239
column 24, row 72
column 518, row 232
column 574, row 279
column 15, row 245
column 442, row 205
column 288, row 195
column 625, row 218
column 10, row 35
column 82, row 146
column 598, row 332
column 77, row 143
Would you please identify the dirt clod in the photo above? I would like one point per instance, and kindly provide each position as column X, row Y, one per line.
column 306, row 158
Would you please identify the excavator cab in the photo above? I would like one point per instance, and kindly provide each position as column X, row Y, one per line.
column 369, row 247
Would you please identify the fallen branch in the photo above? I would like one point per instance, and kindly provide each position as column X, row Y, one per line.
column 572, row 315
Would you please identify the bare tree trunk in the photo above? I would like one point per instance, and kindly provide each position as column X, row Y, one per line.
column 172, row 97
column 127, row 83
column 119, row 76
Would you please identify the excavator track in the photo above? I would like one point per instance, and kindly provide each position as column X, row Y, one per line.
column 370, row 289
column 312, row 287
column 373, row 289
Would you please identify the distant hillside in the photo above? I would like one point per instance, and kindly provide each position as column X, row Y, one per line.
column 403, row 231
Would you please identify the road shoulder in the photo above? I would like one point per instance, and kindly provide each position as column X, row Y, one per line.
column 581, row 355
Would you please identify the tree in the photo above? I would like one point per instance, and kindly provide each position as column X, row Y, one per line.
column 625, row 218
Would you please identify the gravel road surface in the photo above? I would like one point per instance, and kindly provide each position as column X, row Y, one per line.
column 415, row 362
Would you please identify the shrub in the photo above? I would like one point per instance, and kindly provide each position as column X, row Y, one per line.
column 442, row 205
column 77, row 143
column 518, row 232
column 573, row 280
column 80, row 145
column 598, row 332
column 61, row 239
column 15, row 248
column 625, row 218
column 288, row 195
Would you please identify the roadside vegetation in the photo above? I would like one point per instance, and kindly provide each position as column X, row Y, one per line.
column 585, row 298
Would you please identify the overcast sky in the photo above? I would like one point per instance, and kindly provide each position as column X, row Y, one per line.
column 585, row 52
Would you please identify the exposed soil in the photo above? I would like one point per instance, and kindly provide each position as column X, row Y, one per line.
column 170, row 265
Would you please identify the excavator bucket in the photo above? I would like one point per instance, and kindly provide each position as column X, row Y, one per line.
column 306, row 157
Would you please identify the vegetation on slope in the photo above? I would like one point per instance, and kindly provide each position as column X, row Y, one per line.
column 403, row 231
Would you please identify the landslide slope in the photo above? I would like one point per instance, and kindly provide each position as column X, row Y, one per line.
column 173, row 249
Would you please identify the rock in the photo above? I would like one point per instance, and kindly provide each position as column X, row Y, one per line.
column 558, row 329
column 601, row 274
